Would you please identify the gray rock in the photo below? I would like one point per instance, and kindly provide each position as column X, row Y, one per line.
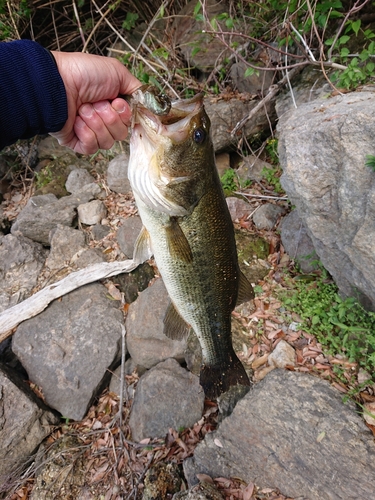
column 258, row 83
column 145, row 340
column 24, row 423
column 131, row 284
column 36, row 219
column 283, row 355
column 130, row 367
column 21, row 261
column 87, row 257
column 65, row 243
column 294, row 433
column 297, row 242
column 68, row 348
column 189, row 34
column 127, row 234
column 92, row 212
column 201, row 491
column 225, row 115
column 99, row 231
column 309, row 86
column 251, row 168
column 117, row 174
column 77, row 179
column 167, row 396
column 238, row 208
column 267, row 216
column 332, row 188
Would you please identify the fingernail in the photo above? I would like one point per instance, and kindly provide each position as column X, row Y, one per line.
column 86, row 110
column 119, row 106
column 101, row 105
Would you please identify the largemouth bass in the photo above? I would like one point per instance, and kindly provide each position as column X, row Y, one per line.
column 188, row 229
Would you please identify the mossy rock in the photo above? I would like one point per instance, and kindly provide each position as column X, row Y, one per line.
column 52, row 177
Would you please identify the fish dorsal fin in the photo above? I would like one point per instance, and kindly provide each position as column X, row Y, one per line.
column 178, row 245
column 174, row 326
column 142, row 247
column 245, row 290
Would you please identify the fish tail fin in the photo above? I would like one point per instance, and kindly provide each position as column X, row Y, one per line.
column 217, row 379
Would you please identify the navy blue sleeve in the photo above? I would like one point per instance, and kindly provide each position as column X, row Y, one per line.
column 32, row 93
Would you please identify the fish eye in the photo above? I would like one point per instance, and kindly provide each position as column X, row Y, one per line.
column 199, row 135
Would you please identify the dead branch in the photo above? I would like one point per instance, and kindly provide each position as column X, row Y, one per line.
column 273, row 91
column 35, row 304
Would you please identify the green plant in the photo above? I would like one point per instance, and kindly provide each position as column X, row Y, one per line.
column 229, row 181
column 343, row 326
column 370, row 161
column 272, row 176
column 130, row 20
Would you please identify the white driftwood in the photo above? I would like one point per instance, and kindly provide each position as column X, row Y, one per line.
column 35, row 304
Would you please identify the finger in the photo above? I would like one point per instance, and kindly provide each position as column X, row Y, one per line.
column 95, row 123
column 123, row 110
column 87, row 142
column 112, row 119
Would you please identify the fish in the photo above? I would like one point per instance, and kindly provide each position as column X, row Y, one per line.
column 188, row 230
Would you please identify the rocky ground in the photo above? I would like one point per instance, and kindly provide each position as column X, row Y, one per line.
column 165, row 439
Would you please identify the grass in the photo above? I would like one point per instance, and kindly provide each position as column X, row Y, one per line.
column 341, row 325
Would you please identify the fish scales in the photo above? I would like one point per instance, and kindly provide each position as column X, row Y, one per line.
column 195, row 252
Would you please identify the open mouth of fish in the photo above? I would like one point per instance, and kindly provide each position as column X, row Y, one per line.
column 156, row 126
column 167, row 118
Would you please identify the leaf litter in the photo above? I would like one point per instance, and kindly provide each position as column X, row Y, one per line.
column 112, row 466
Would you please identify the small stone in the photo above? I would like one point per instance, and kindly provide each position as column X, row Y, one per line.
column 77, row 179
column 238, row 208
column 167, row 396
column 145, row 340
column 99, row 231
column 127, row 234
column 117, row 174
column 283, row 355
column 222, row 162
column 92, row 212
column 65, row 243
column 251, row 168
column 267, row 216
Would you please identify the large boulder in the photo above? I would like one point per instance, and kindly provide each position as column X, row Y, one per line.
column 24, row 423
column 294, row 433
column 323, row 147
column 21, row 261
column 68, row 348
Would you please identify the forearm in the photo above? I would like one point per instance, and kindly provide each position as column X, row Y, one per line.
column 32, row 93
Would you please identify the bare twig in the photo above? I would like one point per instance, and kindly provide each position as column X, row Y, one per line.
column 78, row 22
column 145, row 61
column 12, row 317
column 262, row 196
column 273, row 91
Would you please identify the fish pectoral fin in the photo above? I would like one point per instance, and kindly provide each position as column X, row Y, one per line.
column 174, row 326
column 142, row 247
column 178, row 245
column 245, row 290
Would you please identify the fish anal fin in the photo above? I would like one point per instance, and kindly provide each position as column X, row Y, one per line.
column 218, row 379
column 178, row 245
column 174, row 326
column 245, row 290
column 142, row 247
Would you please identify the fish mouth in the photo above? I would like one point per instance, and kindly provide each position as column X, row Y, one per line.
column 151, row 134
column 174, row 125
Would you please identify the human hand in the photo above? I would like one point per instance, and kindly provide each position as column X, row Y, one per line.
column 96, row 117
